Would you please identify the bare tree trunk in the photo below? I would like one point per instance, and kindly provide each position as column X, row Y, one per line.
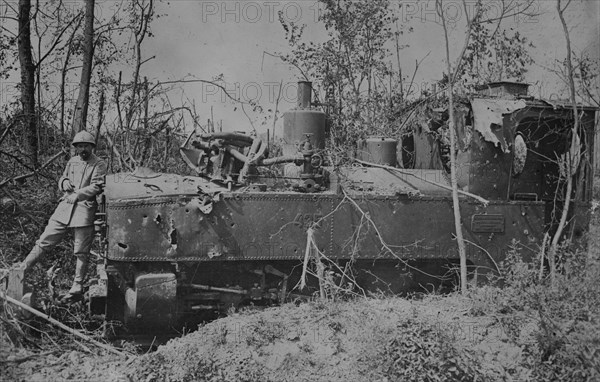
column 81, row 107
column 396, row 35
column 27, row 82
column 118, row 103
column 569, row 170
column 166, row 152
column 452, row 76
column 146, row 131
column 41, row 136
column 100, row 117
column 63, row 78
column 460, row 241
column 140, row 34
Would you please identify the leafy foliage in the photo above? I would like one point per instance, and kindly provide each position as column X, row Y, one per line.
column 418, row 352
column 494, row 56
column 7, row 60
column 567, row 339
column 351, row 66
column 587, row 79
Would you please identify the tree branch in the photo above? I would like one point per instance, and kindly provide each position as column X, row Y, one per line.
column 61, row 325
column 34, row 172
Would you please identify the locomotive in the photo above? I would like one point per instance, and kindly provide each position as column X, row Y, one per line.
column 247, row 227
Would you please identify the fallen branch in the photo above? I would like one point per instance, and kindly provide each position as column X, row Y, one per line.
column 61, row 325
column 485, row 202
column 311, row 245
column 5, row 132
column 17, row 159
column 307, row 250
column 34, row 172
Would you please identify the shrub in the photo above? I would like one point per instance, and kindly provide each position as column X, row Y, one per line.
column 418, row 352
column 568, row 313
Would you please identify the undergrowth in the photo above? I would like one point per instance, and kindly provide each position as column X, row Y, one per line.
column 567, row 339
column 417, row 352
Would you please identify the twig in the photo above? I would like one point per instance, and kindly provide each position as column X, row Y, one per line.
column 5, row 132
column 117, row 153
column 320, row 271
column 61, row 325
column 485, row 251
column 417, row 64
column 312, row 245
column 380, row 236
column 309, row 238
column 543, row 256
column 336, row 287
column 485, row 202
column 343, row 275
column 277, row 107
column 249, row 119
column 34, row 172
column 223, row 89
column 17, row 159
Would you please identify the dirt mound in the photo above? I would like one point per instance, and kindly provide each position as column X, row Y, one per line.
column 377, row 340
column 66, row 366
column 392, row 339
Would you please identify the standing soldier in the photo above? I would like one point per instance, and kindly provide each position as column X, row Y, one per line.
column 81, row 181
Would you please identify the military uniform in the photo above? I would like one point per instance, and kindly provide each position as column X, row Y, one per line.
column 76, row 210
column 88, row 178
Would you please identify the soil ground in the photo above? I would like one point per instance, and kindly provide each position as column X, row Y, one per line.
column 333, row 341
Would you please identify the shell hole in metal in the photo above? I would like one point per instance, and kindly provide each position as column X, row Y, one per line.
column 173, row 236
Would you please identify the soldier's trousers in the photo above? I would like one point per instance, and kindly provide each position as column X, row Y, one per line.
column 54, row 233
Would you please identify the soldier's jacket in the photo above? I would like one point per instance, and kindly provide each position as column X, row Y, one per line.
column 87, row 178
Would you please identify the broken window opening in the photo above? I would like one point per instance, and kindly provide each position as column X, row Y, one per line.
column 408, row 151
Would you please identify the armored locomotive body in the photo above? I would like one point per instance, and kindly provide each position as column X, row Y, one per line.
column 241, row 230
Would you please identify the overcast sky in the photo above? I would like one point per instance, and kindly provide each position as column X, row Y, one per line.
column 208, row 38
column 203, row 39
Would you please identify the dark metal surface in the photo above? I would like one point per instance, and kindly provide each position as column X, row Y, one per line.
column 298, row 123
column 180, row 247
column 378, row 150
column 273, row 226
column 240, row 227
column 152, row 302
column 492, row 223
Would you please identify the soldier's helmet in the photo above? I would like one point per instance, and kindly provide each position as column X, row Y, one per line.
column 84, row 137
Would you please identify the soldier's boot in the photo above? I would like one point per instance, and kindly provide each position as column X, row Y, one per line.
column 31, row 259
column 16, row 278
column 80, row 272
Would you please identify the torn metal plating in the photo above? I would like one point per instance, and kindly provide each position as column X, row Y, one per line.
column 488, row 119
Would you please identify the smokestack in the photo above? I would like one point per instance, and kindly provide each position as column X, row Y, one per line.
column 304, row 94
